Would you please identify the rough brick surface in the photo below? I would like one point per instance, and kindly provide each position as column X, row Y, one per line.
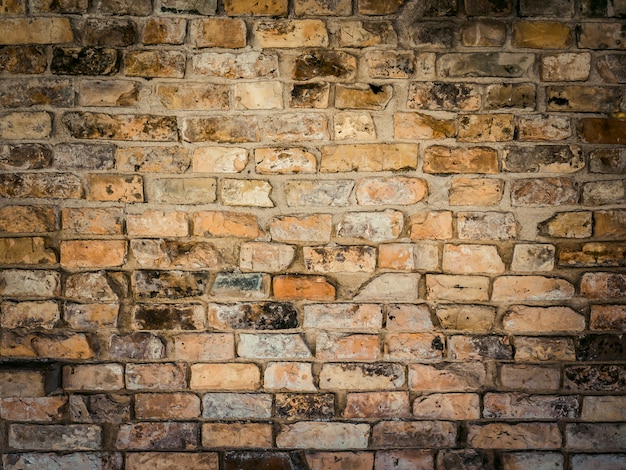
column 321, row 234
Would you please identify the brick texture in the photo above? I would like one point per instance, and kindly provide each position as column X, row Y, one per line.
column 313, row 234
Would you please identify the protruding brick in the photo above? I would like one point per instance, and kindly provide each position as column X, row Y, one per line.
column 305, row 405
column 23, row 59
column 84, row 61
column 42, row 409
column 567, row 225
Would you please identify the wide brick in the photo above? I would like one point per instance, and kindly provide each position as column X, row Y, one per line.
column 305, row 405
column 339, row 460
column 289, row 376
column 259, row 316
column 55, row 437
column 40, row 283
column 440, row 159
column 414, row 434
column 23, row 59
column 380, row 376
column 610, row 224
column 322, row 7
column 272, row 346
column 25, row 157
column 63, row 346
column 154, row 63
column 474, row 318
column 194, row 96
column 543, row 159
column 398, row 64
column 26, row 250
column 485, row 64
column 422, row 347
column 567, row 225
column 447, row 96
column 601, row 36
column 152, row 159
column 241, row 285
column 606, row 408
column 448, row 406
column 84, row 61
column 479, row 348
column 515, row 436
column 488, row 7
column 468, row 259
column 541, row 35
column 25, row 125
column 91, row 287
column 399, row 287
column 600, row 285
column 227, row 376
column 518, row 96
column 164, row 31
column 319, row 193
column 607, row 317
column 169, row 284
column 486, row 225
column 422, row 126
column 167, row 406
column 91, row 316
column 262, row 7
column 85, row 125
column 602, row 130
column 592, row 461
column 228, row 65
column 436, row 34
column 42, row 409
column 155, row 376
column 486, row 128
column 237, row 405
column 583, row 99
column 41, row 185
column 157, row 436
column 600, row 193
column 108, row 187
column 165, row 460
column 290, row 287
column 255, row 193
column 168, row 317
column 216, row 129
column 295, row 127
column 595, row 437
column 284, row 160
column 451, row 377
column 466, row 458
column 525, row 377
column 457, row 288
column 363, row 96
column 521, row 288
column 261, row 95
column 138, row 345
column 39, row 30
column 219, row 160
column 342, row 316
column 340, row 259
column 612, row 68
column 558, row 9
column 323, row 435
column 347, row 347
column 224, row 224
column 377, row 405
column 544, row 349
column 22, row 94
column 290, row 33
column 31, row 315
column 593, row 254
column 521, row 406
column 572, row 67
column 544, row 192
column 610, row 378
column 99, row 377
column 544, row 128
column 432, row 225
column 157, row 253
column 228, row 33
column 109, row 32
column 248, row 435
column 475, row 192
column 371, row 226
column 197, row 347
column 155, row 223
column 368, row 157
column 92, row 253
column 22, row 383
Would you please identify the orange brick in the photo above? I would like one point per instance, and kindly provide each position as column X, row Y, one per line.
column 290, row 287
column 93, row 253
column 228, row 376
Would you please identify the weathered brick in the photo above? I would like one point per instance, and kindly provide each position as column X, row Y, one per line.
column 92, row 253
column 533, row 257
column 544, row 192
column 193, row 96
column 241, row 285
column 192, row 7
column 431, row 225
column 483, row 33
column 342, row 316
column 366, row 33
column 347, row 347
column 379, row 376
column 262, row 7
column 248, row 435
column 109, row 32
column 213, row 129
column 414, row 434
column 323, row 63
column 340, row 259
column 295, row 127
column 323, row 435
column 479, row 348
column 100, row 408
column 602, row 130
column 450, row 377
column 169, row 284
column 203, row 347
column 397, row 256
column 543, row 159
column 475, row 192
column 290, row 33
column 323, row 7
column 261, row 95
column 599, row 348
column 422, row 347
column 91, row 316
column 601, row 36
column 558, row 9
column 39, row 283
column 55, row 437
column 436, row 34
column 488, row 7
column 610, row 224
column 157, row 436
column 371, row 226
column 447, row 96
column 468, row 259
column 363, row 96
column 138, row 345
column 519, row 318
column 101, row 377
column 567, row 66
column 119, row 188
column 529, row 377
column 485, row 64
column 309, row 95
column 219, row 160
column 291, row 287
column 168, row 317
column 22, row 383
column 476, row 318
column 85, row 125
column 42, row 409
column 567, row 225
column 541, row 35
column 486, row 128
column 152, row 159
column 25, row 125
column 31, row 315
column 258, row 316
column 422, row 126
column 154, row 63
column 457, row 288
column 40, row 30
column 607, row 317
column 226, row 376
column 22, row 94
column 164, row 31
column 289, row 376
column 272, row 346
column 84, row 61
column 354, row 126
column 612, row 68
column 368, row 157
column 598, row 377
column 25, row 157
column 305, row 405
column 181, row 190
column 318, row 193
column 398, row 64
column 26, row 250
column 466, row 458
column 544, row 128
column 595, row 437
column 157, row 253
column 598, row 285
column 440, row 159
column 372, row 7
column 68, row 460
column 164, row 460
column 224, row 224
column 237, row 405
column 23, row 59
column 389, row 287
column 254, row 193
column 486, row 225
column 542, row 349
column 515, row 436
column 91, row 287
column 591, row 461
column 531, row 288
column 155, row 376
column 284, row 160
column 166, row 406
column 228, row 65
column 583, row 99
column 377, row 405
column 600, row 408
column 512, row 95
column 338, row 460
column 449, row 406
column 606, row 192
column 228, row 33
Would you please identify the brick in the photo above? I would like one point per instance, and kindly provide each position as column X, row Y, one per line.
column 366, row 33
column 229, row 65
column 284, row 161
column 354, row 126
column 224, row 224
column 305, row 405
column 523, row 288
column 258, row 316
column 91, row 316
column 485, row 64
column 212, row 129
column 155, row 376
column 350, row 259
column 25, row 157
column 598, row 377
column 248, row 435
column 31, row 315
column 340, row 460
column 23, row 59
column 84, row 157
column 155, row 223
column 469, row 259
column 152, row 159
column 422, row 126
column 529, row 377
column 307, row 229
column 396, row 256
column 600, row 36
column 544, row 192
column 85, row 125
column 397, row 64
column 447, row 96
column 600, row 193
column 22, row 383
column 139, row 345
column 571, row 67
column 483, row 33
column 92, row 253
column 39, row 283
column 194, row 96
column 155, row 254
column 168, row 317
column 166, row 406
column 182, row 190
column 319, row 193
column 422, row 347
column 342, row 316
column 267, row 257
column 541, row 35
column 602, row 131
column 591, row 461
column 26, row 250
column 450, row 377
column 91, row 287
column 219, row 160
column 603, row 408
column 241, row 285
column 488, row 7
column 42, row 409
column 475, row 192
column 486, row 225
column 347, row 347
column 309, row 95
column 165, row 460
column 118, row 188
column 263, row 7
column 466, row 458
column 13, row 7
column 513, row 95
column 109, row 32
column 457, row 288
column 371, row 7
column 330, row 64
column 84, row 61
column 390, row 287
column 226, row 376
column 544, row 128
column 414, row 434
column 371, row 226
column 169, row 284
column 450, row 406
column 438, row 34
column 229, row 33
column 582, row 99
column 610, row 224
column 157, row 436
column 22, row 94
column 600, row 285
column 291, row 287
column 473, row 318
column 154, row 63
column 405, row 459
column 612, row 68
column 368, row 157
column 100, row 408
column 595, row 437
column 272, row 346
column 479, row 348
column 323, row 435
column 520, row 406
column 486, row 128
column 255, row 193
column 289, row 376
column 543, row 159
column 322, row 7
column 432, row 225
column 592, row 254
column 164, row 31
column 118, row 7
column 197, row 347
column 364, row 96
column 379, row 376
column 440, row 159
column 533, row 257
column 599, row 348
column 544, row 349
column 295, row 127
column 25, row 125
column 607, row 317
column 377, row 405
column 101, row 377
column 567, row 225
column 261, row 95
column 237, row 405
column 39, row 30
column 558, row 9
column 515, row 436
column 290, row 33
column 55, row 437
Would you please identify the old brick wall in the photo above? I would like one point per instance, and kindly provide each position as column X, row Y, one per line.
column 312, row 234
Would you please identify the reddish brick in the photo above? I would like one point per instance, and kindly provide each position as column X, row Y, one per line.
column 290, row 287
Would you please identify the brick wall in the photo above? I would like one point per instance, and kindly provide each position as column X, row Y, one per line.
column 313, row 234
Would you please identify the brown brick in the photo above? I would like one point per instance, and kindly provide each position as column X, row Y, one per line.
column 168, row 316
column 26, row 250
column 25, row 157
column 543, row 349
column 307, row 229
column 253, row 7
column 322, row 7
column 295, row 127
column 284, row 160
column 164, row 460
column 544, row 192
column 591, row 461
column 606, row 192
column 486, row 225
column 157, row 223
column 291, row 33
column 598, row 285
column 603, row 408
column 488, row 7
column 309, row 95
column 258, row 316
column 366, row 33
column 92, row 253
column 91, row 287
column 447, row 96
column 102, row 377
column 457, row 288
column 398, row 64
column 448, row 406
column 267, row 257
column 476, row 192
column 601, row 36
column 483, row 33
column 373, row 7
column 512, row 95
column 543, row 159
column 289, row 376
column 340, row 259
column 583, row 99
column 338, row 460
column 440, row 159
column 485, row 64
column 532, row 257
column 40, row 30
column 529, row 377
column 515, row 436
column 31, row 315
column 20, row 94
column 479, row 348
column 610, row 224
column 593, row 254
column 154, row 63
column 157, row 436
column 396, row 256
column 164, row 31
column 486, row 128
column 213, row 129
column 56, row 437
column 289, row 287
column 541, row 35
column 155, row 376
column 595, row 437
column 32, row 409
column 607, row 317
column 368, row 157
column 476, row 318
column 602, row 130
column 412, row 434
column 84, row 61
column 431, row 225
column 237, row 405
column 228, row 65
column 167, row 406
column 91, row 316
column 61, row 346
column 227, row 376
column 423, row 347
column 422, row 126
column 323, row 435
column 377, row 405
column 228, row 33
column 544, row 128
column 203, row 347
column 25, row 125
column 363, row 96
column 255, row 193
column 451, row 377
column 93, row 221
column 23, row 59
column 109, row 32
column 21, row 383
column 247, row 435
column 612, row 68
column 347, row 347
column 195, row 96
column 568, row 66
column 567, row 225
column 225, row 224
column 169, row 285
column 85, row 125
